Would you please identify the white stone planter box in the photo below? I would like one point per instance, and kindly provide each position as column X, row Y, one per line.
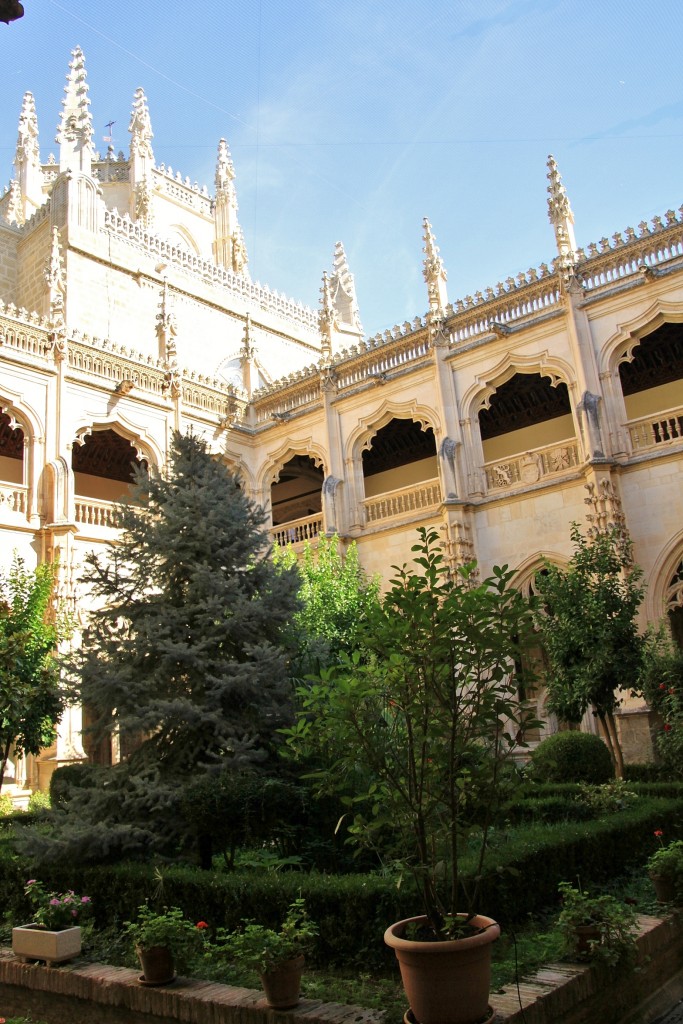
column 30, row 942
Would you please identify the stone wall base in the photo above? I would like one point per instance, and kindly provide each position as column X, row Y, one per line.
column 558, row 994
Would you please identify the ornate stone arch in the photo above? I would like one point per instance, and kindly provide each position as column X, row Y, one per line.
column 179, row 233
column 270, row 470
column 141, row 440
column 478, row 395
column 360, row 439
column 527, row 570
column 621, row 345
column 21, row 414
column 666, row 590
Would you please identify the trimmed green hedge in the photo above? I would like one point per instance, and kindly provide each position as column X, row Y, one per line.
column 352, row 911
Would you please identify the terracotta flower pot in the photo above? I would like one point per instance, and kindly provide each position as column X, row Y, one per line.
column 283, row 984
column 446, row 982
column 665, row 888
column 158, row 967
column 33, row 942
column 585, row 935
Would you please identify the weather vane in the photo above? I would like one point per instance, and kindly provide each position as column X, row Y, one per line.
column 108, row 137
column 10, row 10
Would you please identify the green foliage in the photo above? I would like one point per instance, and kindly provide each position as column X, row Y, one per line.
column 6, row 805
column 263, row 948
column 336, row 597
column 167, row 927
column 229, row 809
column 38, row 801
column 183, row 657
column 667, row 862
column 68, row 780
column 615, row 925
column 572, row 757
column 588, row 628
column 607, row 798
column 31, row 698
column 661, row 683
column 421, row 718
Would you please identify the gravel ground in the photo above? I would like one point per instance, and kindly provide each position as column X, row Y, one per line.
column 674, row 1016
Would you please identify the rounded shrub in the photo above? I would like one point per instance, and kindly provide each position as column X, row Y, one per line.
column 572, row 757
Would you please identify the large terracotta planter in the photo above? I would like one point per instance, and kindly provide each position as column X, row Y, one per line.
column 446, row 982
column 283, row 984
column 32, row 942
column 158, row 967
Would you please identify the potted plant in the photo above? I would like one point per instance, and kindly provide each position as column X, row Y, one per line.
column 419, row 725
column 54, row 934
column 665, row 868
column 277, row 956
column 599, row 928
column 163, row 939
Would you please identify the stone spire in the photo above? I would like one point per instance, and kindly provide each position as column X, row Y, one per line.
column 75, row 130
column 343, row 294
column 141, row 133
column 433, row 271
column 141, row 160
column 327, row 319
column 228, row 247
column 27, row 168
column 225, row 171
column 56, row 290
column 561, row 217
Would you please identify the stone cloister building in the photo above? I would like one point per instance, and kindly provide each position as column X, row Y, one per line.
column 127, row 309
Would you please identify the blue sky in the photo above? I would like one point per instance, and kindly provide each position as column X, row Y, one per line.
column 351, row 121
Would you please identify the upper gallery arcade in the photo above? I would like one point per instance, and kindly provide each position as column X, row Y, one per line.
column 127, row 309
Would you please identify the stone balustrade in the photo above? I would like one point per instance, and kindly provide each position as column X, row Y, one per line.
column 90, row 512
column 403, row 501
column 297, row 531
column 14, row 499
column 650, row 432
column 532, row 466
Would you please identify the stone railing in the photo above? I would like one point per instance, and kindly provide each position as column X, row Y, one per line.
column 23, row 331
column 115, row 364
column 298, row 531
column 90, row 512
column 403, row 501
column 654, row 431
column 532, row 466
column 13, row 498
column 605, row 263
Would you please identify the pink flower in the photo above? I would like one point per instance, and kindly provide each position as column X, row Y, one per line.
column 659, row 833
column 54, row 903
column 32, row 881
column 85, row 899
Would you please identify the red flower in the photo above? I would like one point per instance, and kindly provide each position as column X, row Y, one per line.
column 662, row 686
column 659, row 833
column 201, row 925
column 671, row 689
column 667, row 727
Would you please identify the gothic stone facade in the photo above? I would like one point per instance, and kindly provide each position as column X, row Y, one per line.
column 127, row 310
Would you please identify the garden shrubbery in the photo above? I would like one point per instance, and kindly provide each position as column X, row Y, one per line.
column 572, row 757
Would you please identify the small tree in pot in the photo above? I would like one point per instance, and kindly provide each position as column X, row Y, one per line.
column 423, row 717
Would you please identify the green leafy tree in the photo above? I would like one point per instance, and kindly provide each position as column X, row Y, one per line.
column 589, row 632
column 337, row 597
column 422, row 718
column 31, row 698
column 183, row 659
column 661, row 683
